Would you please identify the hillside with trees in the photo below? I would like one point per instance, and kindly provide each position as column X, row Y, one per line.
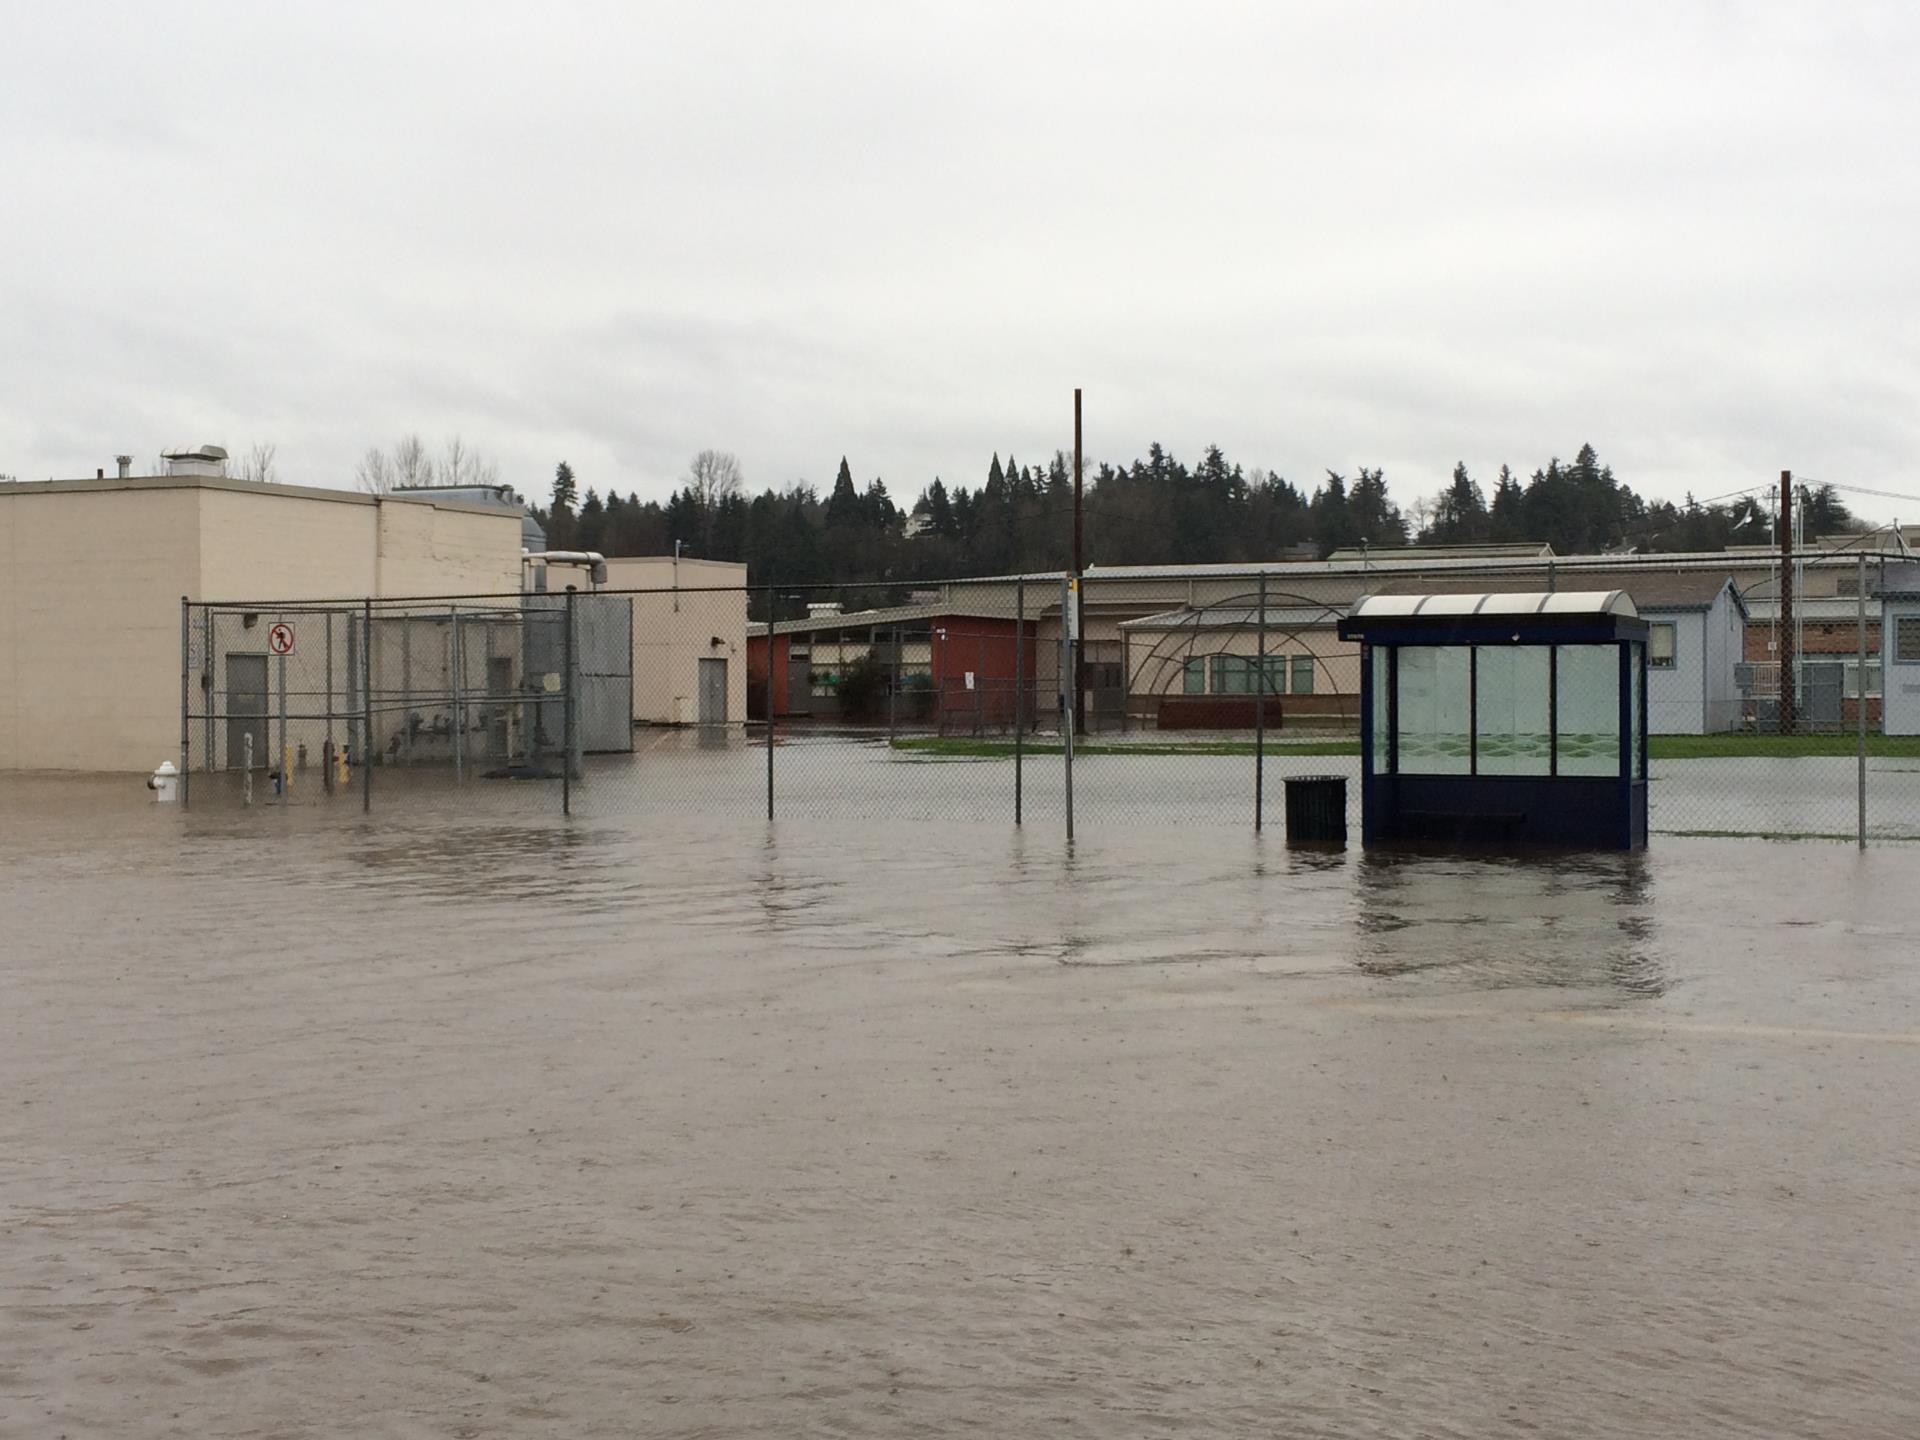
column 1155, row 511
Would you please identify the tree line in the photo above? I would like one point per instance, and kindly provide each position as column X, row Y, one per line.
column 1155, row 511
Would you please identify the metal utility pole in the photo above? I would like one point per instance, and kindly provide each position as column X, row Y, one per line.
column 1789, row 660
column 1070, row 653
column 1079, row 590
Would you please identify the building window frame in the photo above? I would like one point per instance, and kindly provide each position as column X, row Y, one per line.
column 1671, row 629
column 1905, row 638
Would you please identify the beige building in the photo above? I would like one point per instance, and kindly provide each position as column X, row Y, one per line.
column 92, row 573
column 689, row 638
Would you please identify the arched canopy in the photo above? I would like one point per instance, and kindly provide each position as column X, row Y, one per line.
column 1584, row 603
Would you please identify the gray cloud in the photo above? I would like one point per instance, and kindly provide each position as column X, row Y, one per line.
column 1319, row 235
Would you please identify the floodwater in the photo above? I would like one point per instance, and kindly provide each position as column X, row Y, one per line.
column 446, row 1124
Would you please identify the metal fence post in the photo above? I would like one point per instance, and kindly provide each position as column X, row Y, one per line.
column 406, row 685
column 366, row 708
column 566, row 714
column 772, row 609
column 186, row 663
column 1019, row 688
column 455, row 668
column 893, row 690
column 286, row 768
column 206, row 668
column 1260, row 714
column 1068, row 671
column 327, row 761
column 1860, row 702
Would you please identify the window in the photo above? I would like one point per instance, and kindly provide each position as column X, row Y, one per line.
column 1435, row 707
column 1234, row 674
column 1660, row 645
column 1195, row 675
column 1303, row 674
column 1511, row 710
column 1587, row 710
column 1852, row 691
column 1906, row 639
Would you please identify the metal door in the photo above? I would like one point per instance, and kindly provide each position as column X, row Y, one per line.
column 799, row 684
column 499, row 705
column 713, row 691
column 246, row 709
column 603, row 673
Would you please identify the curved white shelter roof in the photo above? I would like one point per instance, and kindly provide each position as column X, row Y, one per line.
column 1536, row 602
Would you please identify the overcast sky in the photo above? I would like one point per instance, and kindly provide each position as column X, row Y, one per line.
column 1319, row 235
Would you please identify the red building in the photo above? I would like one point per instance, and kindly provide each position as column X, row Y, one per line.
column 942, row 666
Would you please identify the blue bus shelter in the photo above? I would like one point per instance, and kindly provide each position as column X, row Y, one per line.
column 1512, row 719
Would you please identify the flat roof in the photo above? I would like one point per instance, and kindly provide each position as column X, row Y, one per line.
column 1238, row 616
column 114, row 484
column 674, row 560
column 867, row 619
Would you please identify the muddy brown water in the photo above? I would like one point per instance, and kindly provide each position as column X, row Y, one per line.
column 446, row 1125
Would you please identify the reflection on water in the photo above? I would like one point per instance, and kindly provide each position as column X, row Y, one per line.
column 1567, row 920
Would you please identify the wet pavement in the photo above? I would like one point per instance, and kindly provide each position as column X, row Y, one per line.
column 458, row 1124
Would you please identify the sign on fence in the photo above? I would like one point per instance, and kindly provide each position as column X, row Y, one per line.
column 280, row 638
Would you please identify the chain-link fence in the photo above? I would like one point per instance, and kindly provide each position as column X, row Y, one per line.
column 1162, row 698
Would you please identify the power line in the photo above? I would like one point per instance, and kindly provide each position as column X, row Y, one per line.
column 1881, row 494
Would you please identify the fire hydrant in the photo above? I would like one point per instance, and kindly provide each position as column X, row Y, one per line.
column 165, row 783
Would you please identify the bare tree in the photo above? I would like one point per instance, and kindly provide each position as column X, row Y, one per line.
column 410, row 462
column 455, row 463
column 1422, row 512
column 409, row 465
column 258, row 464
column 374, row 474
column 713, row 477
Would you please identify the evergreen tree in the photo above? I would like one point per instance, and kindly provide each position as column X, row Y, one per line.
column 1506, row 516
column 560, row 519
column 939, row 509
column 843, row 505
column 1827, row 514
column 1376, row 519
column 1460, row 514
column 878, row 507
column 590, row 533
column 1333, row 525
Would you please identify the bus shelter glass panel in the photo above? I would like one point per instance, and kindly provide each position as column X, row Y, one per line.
column 1382, row 656
column 1634, row 713
column 1587, row 709
column 1510, row 704
column 1436, row 709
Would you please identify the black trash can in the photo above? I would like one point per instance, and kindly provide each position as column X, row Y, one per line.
column 1316, row 809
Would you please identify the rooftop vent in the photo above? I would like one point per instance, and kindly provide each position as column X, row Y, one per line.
column 199, row 460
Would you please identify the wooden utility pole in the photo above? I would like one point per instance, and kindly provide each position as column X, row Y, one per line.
column 1079, row 602
column 1789, row 658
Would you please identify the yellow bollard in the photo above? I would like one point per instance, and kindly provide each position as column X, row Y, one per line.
column 340, row 768
column 286, row 768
